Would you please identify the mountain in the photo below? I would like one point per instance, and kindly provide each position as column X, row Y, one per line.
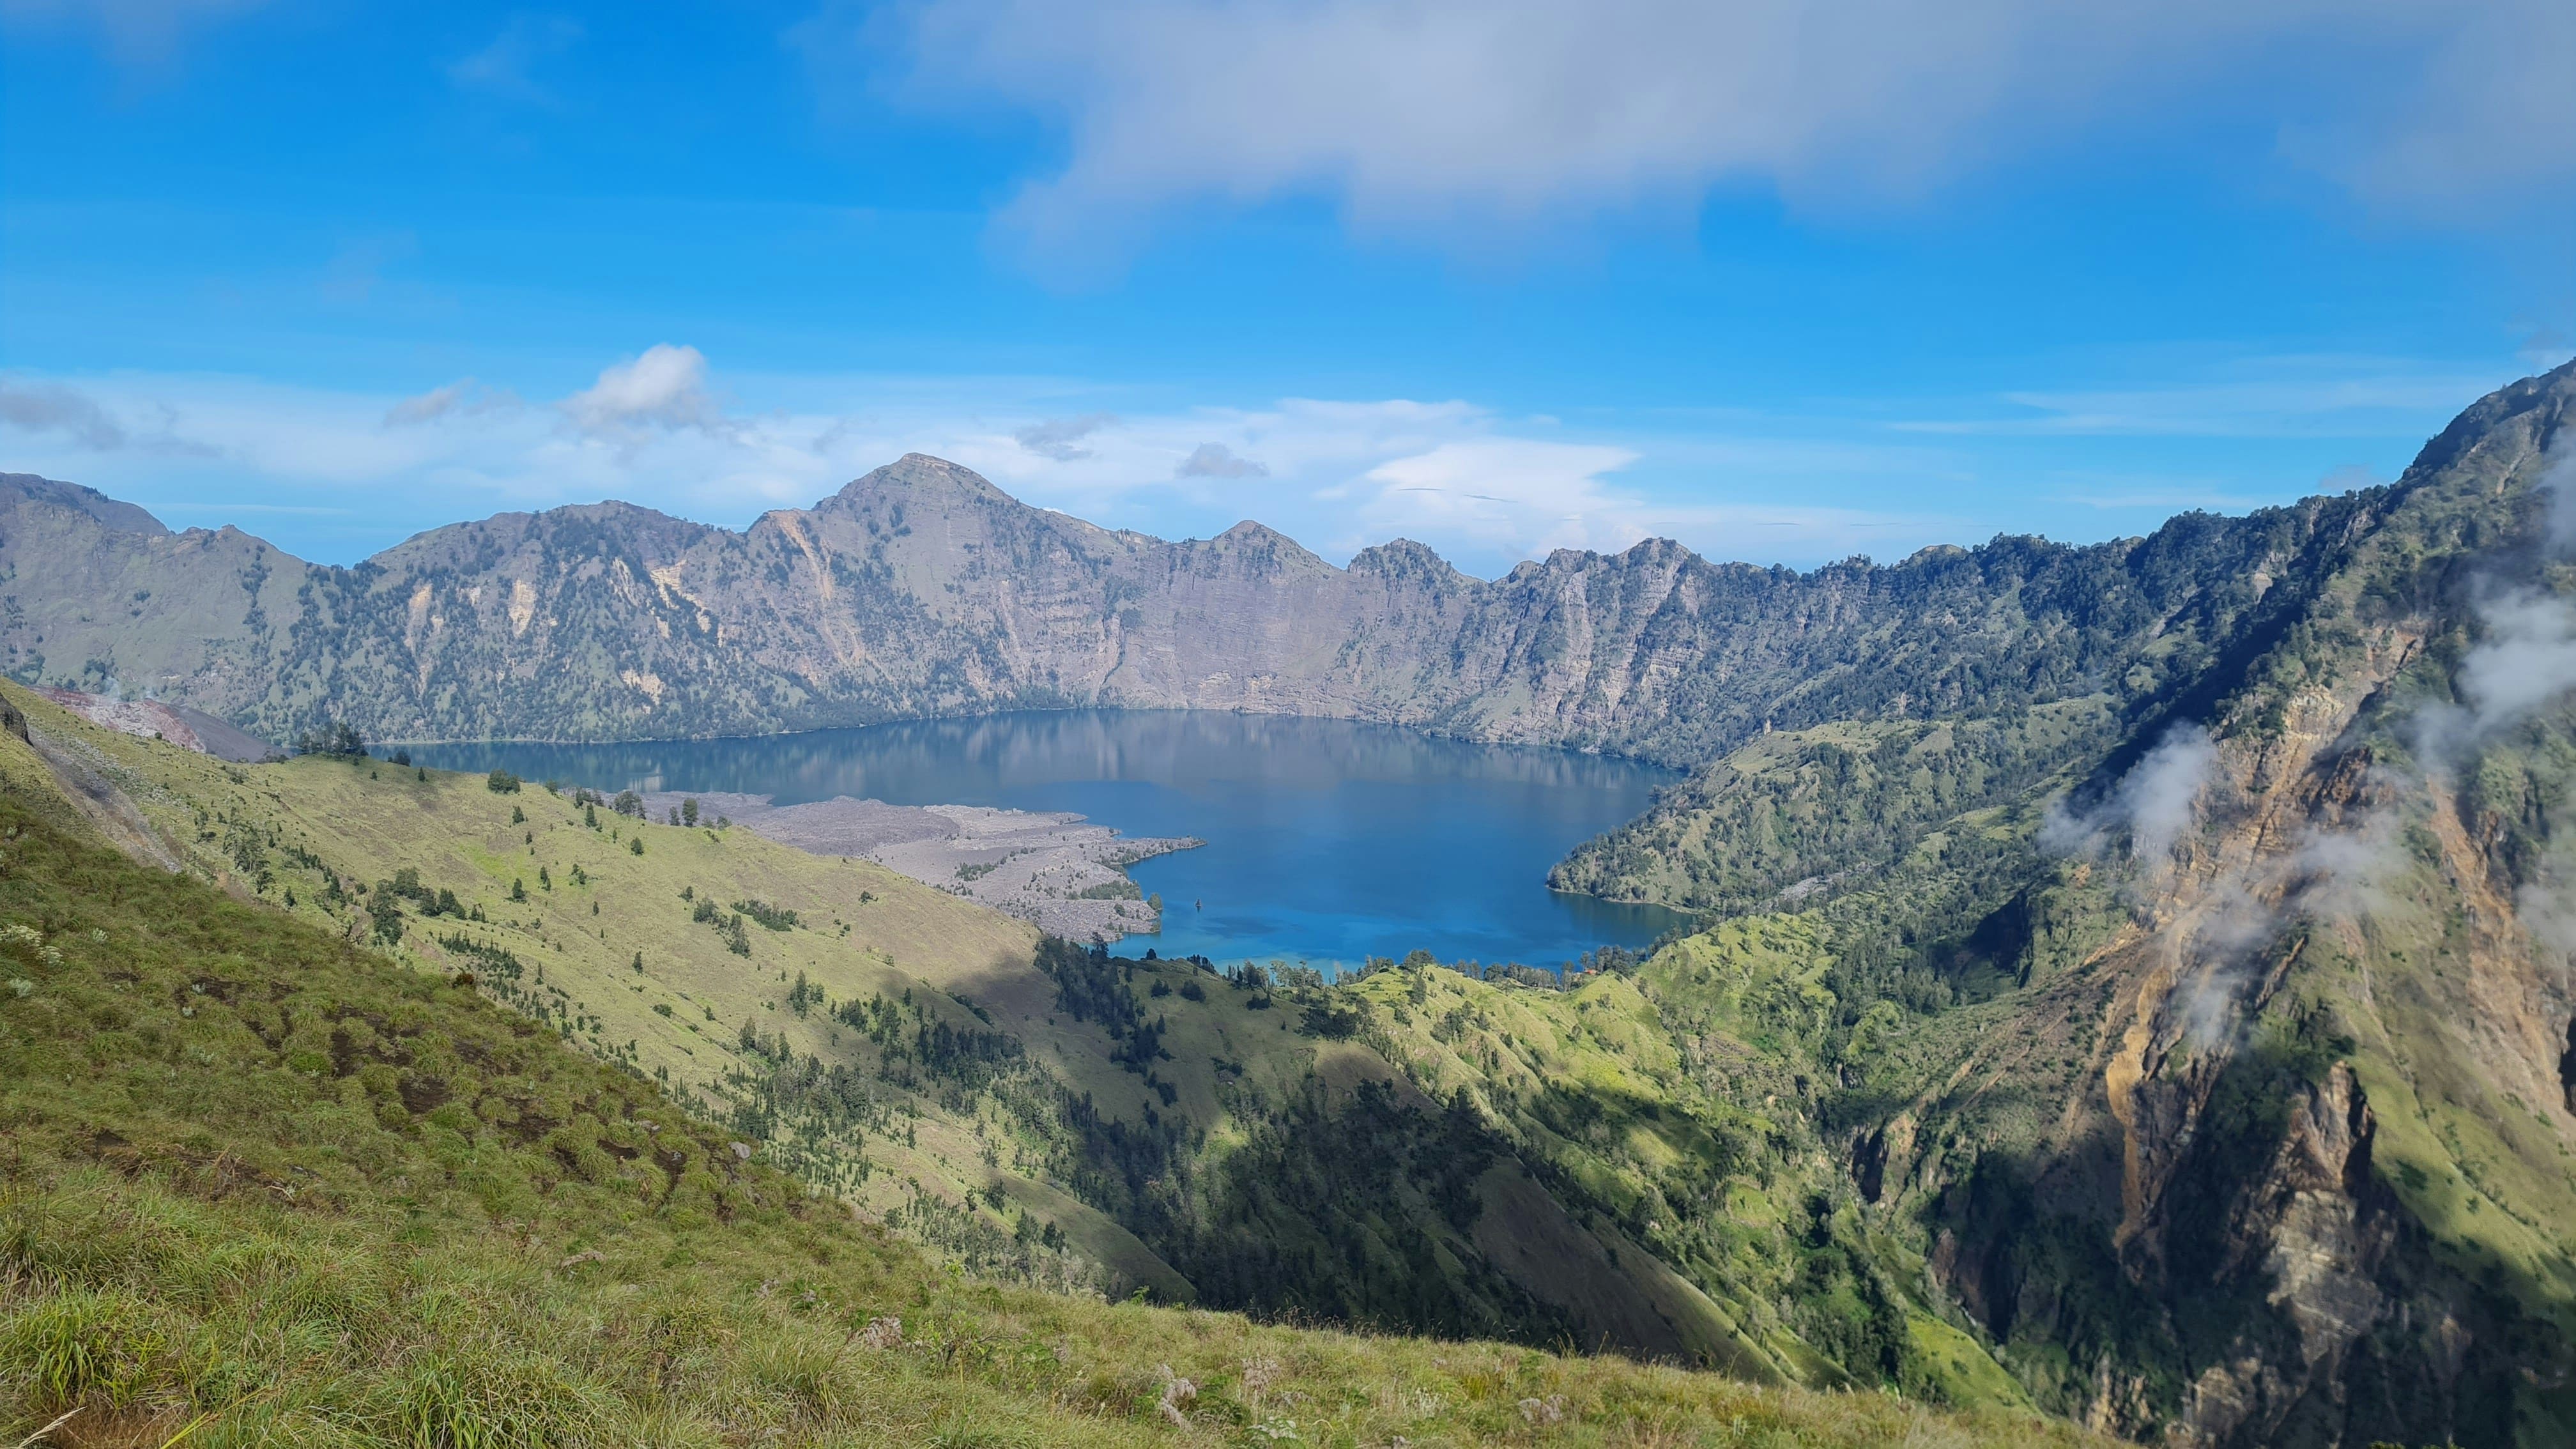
column 921, row 589
column 2210, row 1043
column 2135, row 980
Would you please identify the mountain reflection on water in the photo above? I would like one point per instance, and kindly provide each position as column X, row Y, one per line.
column 1327, row 841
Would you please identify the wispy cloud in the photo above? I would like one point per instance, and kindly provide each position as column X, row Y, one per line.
column 143, row 34
column 2293, row 397
column 81, row 420
column 357, row 269
column 1482, row 487
column 1464, row 117
column 506, row 67
column 1216, row 460
column 2155, row 803
column 669, row 428
column 1499, row 491
column 1059, row 439
column 44, row 409
column 463, row 397
column 228, row 508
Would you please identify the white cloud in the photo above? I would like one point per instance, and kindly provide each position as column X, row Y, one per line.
column 1460, row 114
column 1216, row 460
column 1499, row 496
column 665, row 387
column 1057, row 439
column 1502, row 492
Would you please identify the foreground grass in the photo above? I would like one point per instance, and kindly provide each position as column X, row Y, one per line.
column 264, row 1187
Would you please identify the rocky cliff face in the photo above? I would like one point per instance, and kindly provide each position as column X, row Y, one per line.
column 921, row 589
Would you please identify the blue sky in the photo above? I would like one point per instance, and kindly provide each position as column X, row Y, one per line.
column 1784, row 282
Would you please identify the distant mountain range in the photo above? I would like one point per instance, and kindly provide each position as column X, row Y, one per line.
column 921, row 589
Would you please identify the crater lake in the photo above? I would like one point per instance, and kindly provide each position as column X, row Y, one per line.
column 1327, row 841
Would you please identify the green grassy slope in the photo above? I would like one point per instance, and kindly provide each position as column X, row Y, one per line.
column 264, row 1185
column 1130, row 1124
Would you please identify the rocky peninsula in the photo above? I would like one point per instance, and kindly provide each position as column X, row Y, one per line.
column 1056, row 870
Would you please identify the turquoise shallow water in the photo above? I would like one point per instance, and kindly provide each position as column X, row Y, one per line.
column 1327, row 841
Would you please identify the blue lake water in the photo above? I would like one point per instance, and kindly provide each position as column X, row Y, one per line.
column 1327, row 842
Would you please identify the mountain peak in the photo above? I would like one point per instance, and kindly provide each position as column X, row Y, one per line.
column 923, row 473
column 113, row 513
column 1403, row 557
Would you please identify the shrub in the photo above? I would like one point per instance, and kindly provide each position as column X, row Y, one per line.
column 491, row 1398
column 81, row 1345
column 502, row 782
column 339, row 738
column 385, row 912
column 1324, row 1019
